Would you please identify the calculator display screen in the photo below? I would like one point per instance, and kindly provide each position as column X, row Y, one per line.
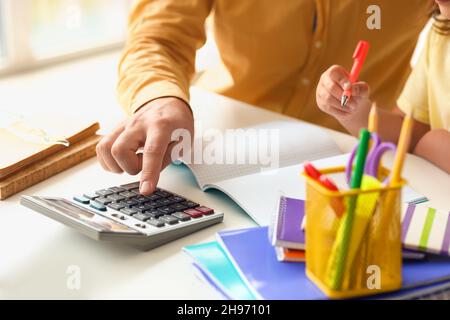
column 89, row 218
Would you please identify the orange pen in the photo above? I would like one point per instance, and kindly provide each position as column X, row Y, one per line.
column 359, row 56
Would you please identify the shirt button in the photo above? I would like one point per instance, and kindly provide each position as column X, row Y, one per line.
column 306, row 81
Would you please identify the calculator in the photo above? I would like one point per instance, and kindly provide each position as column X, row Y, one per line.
column 121, row 214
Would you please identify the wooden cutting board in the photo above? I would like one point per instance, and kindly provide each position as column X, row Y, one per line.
column 48, row 166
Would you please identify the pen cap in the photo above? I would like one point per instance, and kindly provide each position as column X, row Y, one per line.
column 361, row 50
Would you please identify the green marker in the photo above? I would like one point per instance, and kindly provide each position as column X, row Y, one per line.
column 355, row 183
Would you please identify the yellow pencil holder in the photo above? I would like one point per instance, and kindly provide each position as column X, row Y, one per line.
column 367, row 259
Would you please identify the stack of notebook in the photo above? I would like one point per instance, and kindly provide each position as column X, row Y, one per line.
column 424, row 230
column 242, row 264
column 245, row 264
column 287, row 232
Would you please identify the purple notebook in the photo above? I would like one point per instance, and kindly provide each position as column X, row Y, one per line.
column 286, row 230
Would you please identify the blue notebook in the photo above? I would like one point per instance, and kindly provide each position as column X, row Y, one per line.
column 213, row 265
column 253, row 257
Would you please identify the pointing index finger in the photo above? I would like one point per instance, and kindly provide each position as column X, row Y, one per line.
column 152, row 158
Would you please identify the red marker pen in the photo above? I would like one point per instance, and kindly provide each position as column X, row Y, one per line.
column 359, row 56
column 336, row 203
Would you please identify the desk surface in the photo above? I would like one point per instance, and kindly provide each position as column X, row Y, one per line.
column 37, row 253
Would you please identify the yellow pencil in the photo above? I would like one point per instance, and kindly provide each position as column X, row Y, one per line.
column 372, row 126
column 402, row 148
column 373, row 118
column 390, row 201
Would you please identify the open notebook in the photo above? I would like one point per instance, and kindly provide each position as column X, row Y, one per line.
column 256, row 188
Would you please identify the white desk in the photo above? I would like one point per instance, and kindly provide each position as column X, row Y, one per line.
column 36, row 251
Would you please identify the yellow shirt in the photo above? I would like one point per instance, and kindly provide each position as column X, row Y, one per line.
column 273, row 52
column 427, row 90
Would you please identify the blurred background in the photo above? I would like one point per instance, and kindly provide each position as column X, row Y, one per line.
column 38, row 32
column 62, row 56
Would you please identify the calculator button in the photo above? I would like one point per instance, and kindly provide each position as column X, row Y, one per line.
column 153, row 197
column 116, row 197
column 128, row 211
column 163, row 202
column 178, row 206
column 141, row 216
column 166, row 210
column 150, row 215
column 182, row 216
column 81, row 199
column 193, row 213
column 156, row 223
column 154, row 204
column 90, row 196
column 154, row 213
column 117, row 189
column 116, row 206
column 205, row 210
column 144, row 207
column 141, row 208
column 190, row 204
column 130, row 186
column 103, row 200
column 172, row 200
column 104, row 192
column 97, row 206
column 176, row 199
column 141, row 199
column 130, row 202
column 169, row 219
column 163, row 193
column 128, row 194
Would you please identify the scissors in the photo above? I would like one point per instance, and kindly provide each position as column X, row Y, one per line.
column 376, row 151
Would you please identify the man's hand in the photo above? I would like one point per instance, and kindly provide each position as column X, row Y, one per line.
column 149, row 128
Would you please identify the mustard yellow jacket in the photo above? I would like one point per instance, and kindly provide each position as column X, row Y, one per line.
column 273, row 51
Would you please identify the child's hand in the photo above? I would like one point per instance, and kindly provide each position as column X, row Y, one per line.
column 331, row 86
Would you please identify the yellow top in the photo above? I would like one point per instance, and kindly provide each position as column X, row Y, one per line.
column 427, row 90
column 273, row 52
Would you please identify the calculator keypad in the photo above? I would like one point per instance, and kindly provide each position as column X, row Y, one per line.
column 160, row 209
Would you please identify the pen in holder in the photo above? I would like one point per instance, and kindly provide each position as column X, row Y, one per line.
column 365, row 261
